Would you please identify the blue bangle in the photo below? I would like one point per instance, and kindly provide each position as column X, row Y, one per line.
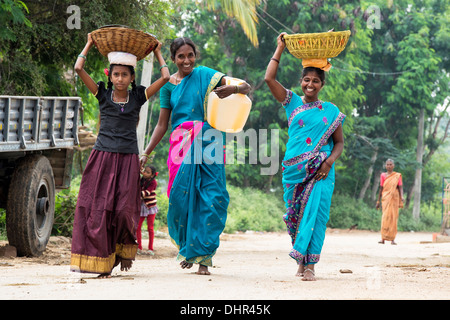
column 82, row 56
column 164, row 65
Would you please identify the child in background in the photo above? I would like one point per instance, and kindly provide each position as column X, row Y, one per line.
column 148, row 205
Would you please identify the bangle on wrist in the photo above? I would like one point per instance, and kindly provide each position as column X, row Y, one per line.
column 275, row 60
column 163, row 66
column 236, row 89
column 82, row 56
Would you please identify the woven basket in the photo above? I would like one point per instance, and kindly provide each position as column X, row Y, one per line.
column 317, row 45
column 121, row 38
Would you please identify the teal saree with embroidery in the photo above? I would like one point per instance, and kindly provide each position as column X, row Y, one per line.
column 308, row 200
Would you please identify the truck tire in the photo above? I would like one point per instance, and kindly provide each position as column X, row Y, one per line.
column 31, row 205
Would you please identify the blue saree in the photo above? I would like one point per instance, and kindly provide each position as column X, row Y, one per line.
column 198, row 198
column 308, row 200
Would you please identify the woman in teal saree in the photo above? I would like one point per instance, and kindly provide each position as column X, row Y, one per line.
column 315, row 142
column 198, row 198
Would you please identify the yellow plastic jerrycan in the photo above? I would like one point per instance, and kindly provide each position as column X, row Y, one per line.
column 231, row 113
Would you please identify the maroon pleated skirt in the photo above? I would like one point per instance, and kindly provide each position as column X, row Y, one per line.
column 107, row 212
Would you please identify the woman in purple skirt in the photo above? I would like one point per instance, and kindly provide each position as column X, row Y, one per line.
column 107, row 212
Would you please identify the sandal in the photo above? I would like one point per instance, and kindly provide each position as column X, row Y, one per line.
column 312, row 272
column 300, row 273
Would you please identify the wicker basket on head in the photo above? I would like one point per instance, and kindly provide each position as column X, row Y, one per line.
column 121, row 38
column 316, row 45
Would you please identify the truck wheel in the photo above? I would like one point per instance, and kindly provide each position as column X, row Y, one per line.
column 31, row 206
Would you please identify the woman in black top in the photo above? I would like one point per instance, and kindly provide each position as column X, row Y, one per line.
column 107, row 212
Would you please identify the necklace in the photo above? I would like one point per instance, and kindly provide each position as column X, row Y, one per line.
column 120, row 103
column 305, row 102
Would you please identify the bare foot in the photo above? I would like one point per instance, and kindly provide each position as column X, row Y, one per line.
column 185, row 265
column 394, row 243
column 203, row 270
column 309, row 274
column 125, row 264
column 300, row 271
column 381, row 241
column 104, row 276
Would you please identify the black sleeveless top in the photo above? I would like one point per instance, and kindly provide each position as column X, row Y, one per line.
column 118, row 125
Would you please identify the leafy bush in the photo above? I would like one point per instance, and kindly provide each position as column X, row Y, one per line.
column 346, row 212
column 253, row 209
column 2, row 224
column 163, row 206
column 65, row 203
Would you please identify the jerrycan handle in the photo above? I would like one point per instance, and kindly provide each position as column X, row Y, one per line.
column 233, row 81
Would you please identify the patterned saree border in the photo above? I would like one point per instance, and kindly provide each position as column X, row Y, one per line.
column 288, row 98
column 304, row 259
column 88, row 264
column 92, row 264
column 323, row 141
column 304, row 107
column 293, row 217
column 205, row 260
column 300, row 198
column 212, row 84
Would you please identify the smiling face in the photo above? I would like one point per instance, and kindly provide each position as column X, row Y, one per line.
column 311, row 86
column 185, row 59
column 121, row 77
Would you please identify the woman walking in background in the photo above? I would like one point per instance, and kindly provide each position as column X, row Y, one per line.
column 391, row 196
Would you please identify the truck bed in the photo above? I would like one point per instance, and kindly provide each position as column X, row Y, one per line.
column 38, row 123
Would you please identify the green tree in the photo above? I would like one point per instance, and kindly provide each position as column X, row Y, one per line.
column 423, row 85
column 405, row 73
column 40, row 60
column 11, row 12
column 224, row 47
column 243, row 11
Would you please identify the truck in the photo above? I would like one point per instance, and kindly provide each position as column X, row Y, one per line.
column 37, row 139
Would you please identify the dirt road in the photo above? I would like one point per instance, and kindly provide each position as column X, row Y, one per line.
column 251, row 266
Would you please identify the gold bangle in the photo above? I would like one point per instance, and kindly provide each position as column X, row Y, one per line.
column 236, row 89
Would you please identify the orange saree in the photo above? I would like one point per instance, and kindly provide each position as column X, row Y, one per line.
column 390, row 203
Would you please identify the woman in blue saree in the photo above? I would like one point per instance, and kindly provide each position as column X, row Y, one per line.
column 198, row 198
column 315, row 142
